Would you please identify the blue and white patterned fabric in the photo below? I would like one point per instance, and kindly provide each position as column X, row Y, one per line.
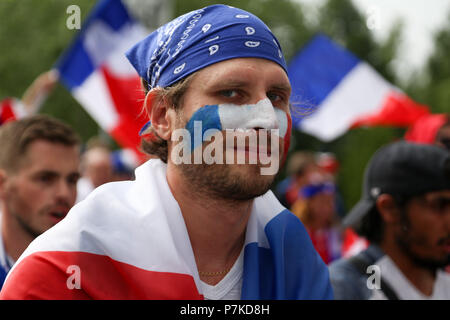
column 200, row 38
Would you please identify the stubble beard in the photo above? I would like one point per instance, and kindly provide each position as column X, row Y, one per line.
column 405, row 240
column 221, row 181
column 235, row 182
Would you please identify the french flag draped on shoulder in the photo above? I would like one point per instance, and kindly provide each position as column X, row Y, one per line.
column 96, row 72
column 128, row 240
column 344, row 92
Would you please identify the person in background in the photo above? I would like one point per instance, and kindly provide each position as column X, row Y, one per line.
column 316, row 208
column 96, row 169
column 404, row 213
column 124, row 163
column 39, row 162
column 300, row 166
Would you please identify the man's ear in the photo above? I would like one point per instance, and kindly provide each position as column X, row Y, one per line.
column 160, row 113
column 3, row 177
column 387, row 208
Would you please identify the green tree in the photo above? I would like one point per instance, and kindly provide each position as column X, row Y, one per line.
column 431, row 86
column 33, row 34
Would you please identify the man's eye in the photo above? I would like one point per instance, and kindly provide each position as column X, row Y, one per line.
column 45, row 179
column 72, row 179
column 229, row 93
column 274, row 97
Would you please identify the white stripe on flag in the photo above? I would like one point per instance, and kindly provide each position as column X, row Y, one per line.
column 94, row 96
column 361, row 92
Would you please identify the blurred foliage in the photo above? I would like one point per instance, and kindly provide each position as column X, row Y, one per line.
column 431, row 86
column 33, row 34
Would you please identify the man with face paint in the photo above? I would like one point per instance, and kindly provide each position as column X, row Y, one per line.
column 405, row 214
column 199, row 222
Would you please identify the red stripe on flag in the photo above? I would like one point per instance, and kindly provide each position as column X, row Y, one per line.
column 7, row 111
column 45, row 275
column 397, row 110
column 425, row 129
column 128, row 98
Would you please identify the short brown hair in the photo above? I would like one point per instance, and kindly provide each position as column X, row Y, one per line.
column 151, row 143
column 16, row 136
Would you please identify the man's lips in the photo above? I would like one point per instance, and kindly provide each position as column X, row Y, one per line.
column 445, row 243
column 58, row 213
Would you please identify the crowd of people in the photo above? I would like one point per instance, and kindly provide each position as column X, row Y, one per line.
column 189, row 231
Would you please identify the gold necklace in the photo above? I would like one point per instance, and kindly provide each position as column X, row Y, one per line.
column 212, row 274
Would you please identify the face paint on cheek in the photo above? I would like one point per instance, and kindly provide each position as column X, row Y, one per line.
column 286, row 137
column 203, row 119
column 229, row 116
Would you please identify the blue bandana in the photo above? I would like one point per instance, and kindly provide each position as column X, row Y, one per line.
column 200, row 38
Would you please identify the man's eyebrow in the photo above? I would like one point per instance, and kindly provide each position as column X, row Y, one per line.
column 49, row 173
column 281, row 86
column 236, row 83
column 232, row 83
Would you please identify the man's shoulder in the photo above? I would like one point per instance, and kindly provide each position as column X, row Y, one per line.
column 348, row 278
column 343, row 267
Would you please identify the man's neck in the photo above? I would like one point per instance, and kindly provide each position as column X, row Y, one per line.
column 15, row 239
column 216, row 227
column 422, row 278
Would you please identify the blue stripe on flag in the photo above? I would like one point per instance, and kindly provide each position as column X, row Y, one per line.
column 317, row 70
column 113, row 13
column 75, row 65
column 290, row 269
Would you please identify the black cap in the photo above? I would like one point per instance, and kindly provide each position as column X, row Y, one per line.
column 402, row 169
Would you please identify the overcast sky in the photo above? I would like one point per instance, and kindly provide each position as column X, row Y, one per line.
column 421, row 19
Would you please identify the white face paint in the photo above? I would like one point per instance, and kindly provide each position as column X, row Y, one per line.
column 260, row 115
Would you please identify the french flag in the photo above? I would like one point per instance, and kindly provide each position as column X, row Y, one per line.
column 11, row 109
column 97, row 73
column 128, row 240
column 342, row 92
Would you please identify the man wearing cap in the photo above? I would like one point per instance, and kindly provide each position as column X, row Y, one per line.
column 404, row 212
column 191, row 227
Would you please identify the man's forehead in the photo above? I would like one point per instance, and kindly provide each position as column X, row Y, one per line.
column 240, row 71
column 41, row 153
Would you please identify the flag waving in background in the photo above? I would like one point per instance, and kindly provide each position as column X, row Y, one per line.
column 13, row 109
column 344, row 92
column 10, row 110
column 98, row 75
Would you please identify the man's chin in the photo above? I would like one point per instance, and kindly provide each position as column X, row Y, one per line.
column 432, row 264
column 238, row 182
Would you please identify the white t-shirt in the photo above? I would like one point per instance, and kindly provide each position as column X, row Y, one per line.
column 229, row 288
column 404, row 289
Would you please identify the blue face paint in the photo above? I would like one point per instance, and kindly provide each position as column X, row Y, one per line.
column 209, row 119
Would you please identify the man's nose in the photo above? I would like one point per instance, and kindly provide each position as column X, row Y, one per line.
column 63, row 190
